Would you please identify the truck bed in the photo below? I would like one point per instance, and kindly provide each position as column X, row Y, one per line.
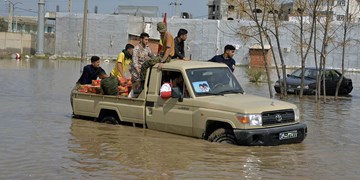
column 91, row 105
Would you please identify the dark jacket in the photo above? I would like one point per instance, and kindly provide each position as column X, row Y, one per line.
column 179, row 49
column 230, row 62
column 89, row 73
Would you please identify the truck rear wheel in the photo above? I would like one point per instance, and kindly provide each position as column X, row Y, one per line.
column 222, row 135
column 109, row 120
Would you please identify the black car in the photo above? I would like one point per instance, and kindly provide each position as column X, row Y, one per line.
column 332, row 76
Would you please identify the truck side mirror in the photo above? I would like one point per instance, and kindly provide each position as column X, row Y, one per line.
column 176, row 93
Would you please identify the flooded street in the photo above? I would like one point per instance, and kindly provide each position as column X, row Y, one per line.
column 40, row 140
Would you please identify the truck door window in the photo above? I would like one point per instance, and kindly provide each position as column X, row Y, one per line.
column 176, row 79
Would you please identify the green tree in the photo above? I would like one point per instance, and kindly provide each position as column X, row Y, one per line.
column 3, row 25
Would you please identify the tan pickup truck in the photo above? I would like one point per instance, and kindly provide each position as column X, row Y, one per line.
column 206, row 102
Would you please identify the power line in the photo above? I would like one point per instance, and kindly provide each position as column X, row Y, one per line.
column 27, row 10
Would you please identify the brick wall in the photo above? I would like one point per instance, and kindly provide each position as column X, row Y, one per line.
column 257, row 58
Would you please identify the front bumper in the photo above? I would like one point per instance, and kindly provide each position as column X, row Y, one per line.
column 296, row 91
column 270, row 136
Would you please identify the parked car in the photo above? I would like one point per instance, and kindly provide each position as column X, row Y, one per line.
column 332, row 77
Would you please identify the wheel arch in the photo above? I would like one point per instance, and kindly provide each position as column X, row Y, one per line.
column 104, row 112
column 213, row 125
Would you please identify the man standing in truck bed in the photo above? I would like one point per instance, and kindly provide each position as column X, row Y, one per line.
column 166, row 53
column 180, row 45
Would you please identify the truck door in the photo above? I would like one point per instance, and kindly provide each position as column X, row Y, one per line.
column 172, row 115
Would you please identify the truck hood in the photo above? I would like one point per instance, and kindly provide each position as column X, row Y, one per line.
column 242, row 103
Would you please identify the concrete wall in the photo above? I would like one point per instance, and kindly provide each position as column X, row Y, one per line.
column 49, row 44
column 16, row 43
column 24, row 43
column 107, row 35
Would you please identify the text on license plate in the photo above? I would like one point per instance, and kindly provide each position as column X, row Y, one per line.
column 288, row 135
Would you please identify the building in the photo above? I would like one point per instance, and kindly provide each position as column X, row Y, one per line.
column 142, row 11
column 287, row 9
column 222, row 10
column 25, row 24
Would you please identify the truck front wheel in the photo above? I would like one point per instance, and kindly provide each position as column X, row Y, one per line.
column 222, row 135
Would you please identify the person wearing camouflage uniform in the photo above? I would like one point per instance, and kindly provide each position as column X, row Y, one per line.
column 141, row 54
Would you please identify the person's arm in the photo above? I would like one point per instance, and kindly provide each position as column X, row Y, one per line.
column 166, row 54
column 120, row 61
column 135, row 59
column 163, row 59
column 233, row 65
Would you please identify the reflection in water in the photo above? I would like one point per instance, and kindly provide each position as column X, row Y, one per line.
column 40, row 140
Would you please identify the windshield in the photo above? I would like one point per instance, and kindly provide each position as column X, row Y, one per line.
column 213, row 81
column 308, row 73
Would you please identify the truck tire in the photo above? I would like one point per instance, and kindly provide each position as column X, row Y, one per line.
column 109, row 120
column 222, row 135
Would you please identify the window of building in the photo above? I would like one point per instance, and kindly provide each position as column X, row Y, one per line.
column 341, row 2
column 340, row 17
column 231, row 8
column 257, row 11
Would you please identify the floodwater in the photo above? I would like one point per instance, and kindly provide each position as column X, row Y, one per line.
column 40, row 140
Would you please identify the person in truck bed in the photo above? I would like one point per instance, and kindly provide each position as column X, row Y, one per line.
column 108, row 84
column 180, row 45
column 123, row 62
column 90, row 71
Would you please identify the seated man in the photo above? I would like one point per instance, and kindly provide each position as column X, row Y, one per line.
column 109, row 84
column 90, row 71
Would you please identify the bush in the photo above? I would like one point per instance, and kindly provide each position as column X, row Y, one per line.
column 256, row 74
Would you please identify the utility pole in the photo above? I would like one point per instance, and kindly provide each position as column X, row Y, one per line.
column 176, row 4
column 40, row 29
column 11, row 11
column 69, row 5
column 83, row 43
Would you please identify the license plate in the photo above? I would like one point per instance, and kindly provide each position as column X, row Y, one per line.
column 288, row 135
column 291, row 90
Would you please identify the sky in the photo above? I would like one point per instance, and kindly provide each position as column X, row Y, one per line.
column 198, row 8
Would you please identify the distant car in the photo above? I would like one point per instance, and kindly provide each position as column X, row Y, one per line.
column 332, row 76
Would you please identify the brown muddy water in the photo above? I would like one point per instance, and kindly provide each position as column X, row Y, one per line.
column 40, row 140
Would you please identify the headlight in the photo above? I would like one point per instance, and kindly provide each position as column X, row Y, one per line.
column 297, row 114
column 305, row 87
column 251, row 119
